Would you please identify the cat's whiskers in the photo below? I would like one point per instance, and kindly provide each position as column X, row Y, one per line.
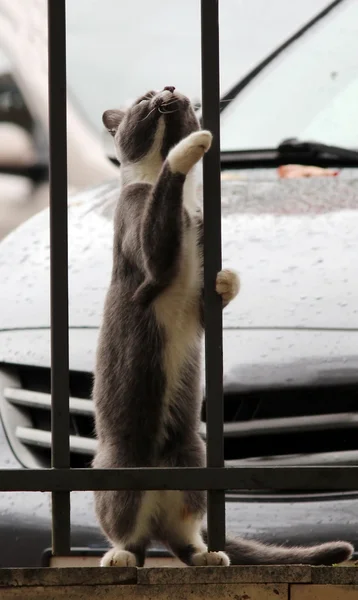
column 170, row 102
column 161, row 111
column 148, row 115
column 166, row 112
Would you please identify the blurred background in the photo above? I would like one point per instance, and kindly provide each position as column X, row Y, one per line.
column 113, row 55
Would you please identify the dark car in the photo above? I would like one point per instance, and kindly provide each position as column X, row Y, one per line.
column 290, row 337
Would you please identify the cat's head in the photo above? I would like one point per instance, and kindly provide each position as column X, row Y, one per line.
column 152, row 125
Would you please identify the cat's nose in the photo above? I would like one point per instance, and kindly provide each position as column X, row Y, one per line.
column 170, row 88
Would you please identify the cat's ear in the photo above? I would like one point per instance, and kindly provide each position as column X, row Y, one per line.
column 112, row 119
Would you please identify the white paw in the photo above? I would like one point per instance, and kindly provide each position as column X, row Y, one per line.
column 227, row 285
column 189, row 151
column 217, row 559
column 201, row 139
column 118, row 558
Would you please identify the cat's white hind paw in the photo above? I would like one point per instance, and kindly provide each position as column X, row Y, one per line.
column 217, row 559
column 227, row 285
column 118, row 558
column 189, row 151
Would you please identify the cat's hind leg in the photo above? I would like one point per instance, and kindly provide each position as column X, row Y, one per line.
column 120, row 514
column 125, row 556
column 186, row 542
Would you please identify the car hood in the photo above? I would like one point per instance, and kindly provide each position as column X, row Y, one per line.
column 294, row 243
column 253, row 360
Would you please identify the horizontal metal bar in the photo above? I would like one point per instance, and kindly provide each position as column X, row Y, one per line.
column 42, row 400
column 42, row 439
column 281, row 425
column 236, row 478
column 343, row 458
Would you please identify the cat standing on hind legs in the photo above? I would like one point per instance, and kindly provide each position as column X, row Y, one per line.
column 147, row 390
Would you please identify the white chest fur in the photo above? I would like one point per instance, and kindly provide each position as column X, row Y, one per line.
column 177, row 310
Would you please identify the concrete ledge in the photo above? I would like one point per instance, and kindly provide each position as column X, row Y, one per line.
column 227, row 575
column 196, row 583
column 323, row 592
column 67, row 577
column 178, row 576
column 157, row 592
column 335, row 575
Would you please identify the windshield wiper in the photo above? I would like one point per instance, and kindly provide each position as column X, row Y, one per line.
column 291, row 151
column 316, row 150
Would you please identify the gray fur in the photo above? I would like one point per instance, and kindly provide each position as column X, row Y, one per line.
column 143, row 417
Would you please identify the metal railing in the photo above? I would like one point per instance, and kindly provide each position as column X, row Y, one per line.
column 60, row 411
column 61, row 479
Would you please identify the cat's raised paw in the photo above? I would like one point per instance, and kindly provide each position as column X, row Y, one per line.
column 118, row 558
column 189, row 151
column 216, row 559
column 201, row 139
column 227, row 285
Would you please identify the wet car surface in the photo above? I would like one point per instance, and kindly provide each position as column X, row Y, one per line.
column 293, row 242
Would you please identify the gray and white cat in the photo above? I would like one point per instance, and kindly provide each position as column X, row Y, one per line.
column 147, row 390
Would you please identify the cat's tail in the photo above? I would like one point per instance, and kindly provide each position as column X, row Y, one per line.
column 250, row 552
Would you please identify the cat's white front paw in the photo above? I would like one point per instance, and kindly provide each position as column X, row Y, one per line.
column 227, row 285
column 118, row 558
column 189, row 151
column 217, row 559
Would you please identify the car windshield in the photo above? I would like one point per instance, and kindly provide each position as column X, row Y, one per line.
column 310, row 91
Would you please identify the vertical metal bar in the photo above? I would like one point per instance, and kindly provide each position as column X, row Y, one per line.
column 212, row 265
column 59, row 268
